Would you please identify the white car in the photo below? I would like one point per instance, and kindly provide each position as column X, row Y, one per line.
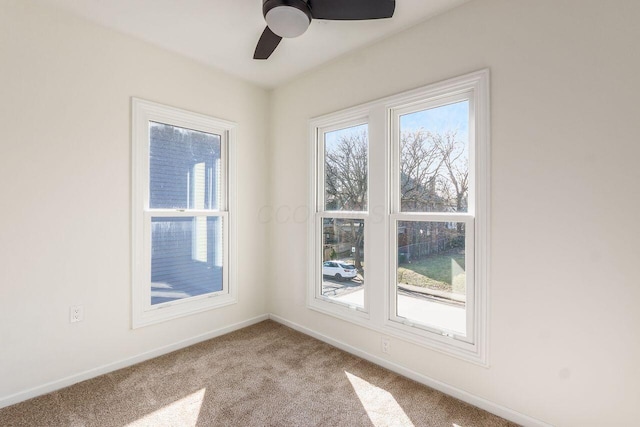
column 339, row 270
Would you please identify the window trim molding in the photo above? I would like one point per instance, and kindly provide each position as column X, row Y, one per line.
column 378, row 317
column 143, row 112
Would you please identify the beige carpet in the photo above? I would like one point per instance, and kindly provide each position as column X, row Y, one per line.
column 263, row 375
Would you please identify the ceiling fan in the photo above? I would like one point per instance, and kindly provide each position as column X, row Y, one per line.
column 291, row 18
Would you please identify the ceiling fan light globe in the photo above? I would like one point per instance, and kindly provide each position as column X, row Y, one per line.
column 287, row 21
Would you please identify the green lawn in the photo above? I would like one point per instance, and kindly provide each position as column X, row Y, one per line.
column 435, row 272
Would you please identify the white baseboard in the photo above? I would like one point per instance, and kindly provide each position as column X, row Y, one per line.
column 465, row 396
column 105, row 369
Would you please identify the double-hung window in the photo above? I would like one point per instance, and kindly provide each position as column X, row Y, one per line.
column 429, row 204
column 181, row 215
column 341, row 218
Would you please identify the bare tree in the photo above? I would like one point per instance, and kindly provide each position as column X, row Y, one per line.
column 420, row 163
column 434, row 176
column 346, row 174
column 346, row 183
column 455, row 159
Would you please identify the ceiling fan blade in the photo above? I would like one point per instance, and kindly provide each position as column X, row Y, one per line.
column 267, row 44
column 351, row 10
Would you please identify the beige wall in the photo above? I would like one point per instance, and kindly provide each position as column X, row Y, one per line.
column 65, row 191
column 563, row 319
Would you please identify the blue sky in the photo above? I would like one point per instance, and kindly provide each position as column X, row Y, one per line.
column 331, row 138
column 440, row 120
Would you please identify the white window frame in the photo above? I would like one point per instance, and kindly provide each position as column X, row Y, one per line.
column 434, row 98
column 382, row 117
column 315, row 299
column 144, row 112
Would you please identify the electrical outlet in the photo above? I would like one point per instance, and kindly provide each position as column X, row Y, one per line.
column 76, row 313
column 385, row 345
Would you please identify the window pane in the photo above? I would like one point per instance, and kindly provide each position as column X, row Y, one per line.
column 186, row 257
column 343, row 260
column 185, row 168
column 432, row 285
column 434, row 159
column 345, row 165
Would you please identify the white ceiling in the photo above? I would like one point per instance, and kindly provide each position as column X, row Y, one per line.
column 224, row 33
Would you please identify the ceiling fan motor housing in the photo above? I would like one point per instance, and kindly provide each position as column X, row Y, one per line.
column 287, row 18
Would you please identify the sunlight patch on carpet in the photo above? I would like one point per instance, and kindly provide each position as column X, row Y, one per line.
column 183, row 412
column 381, row 407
